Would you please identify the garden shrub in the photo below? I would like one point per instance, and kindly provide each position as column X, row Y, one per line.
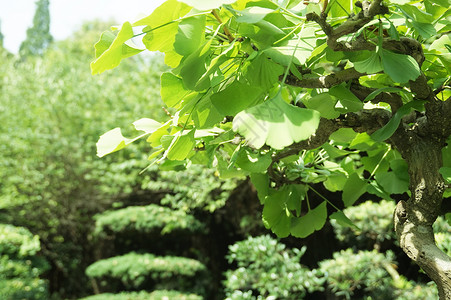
column 145, row 219
column 134, row 269
column 267, row 269
column 155, row 295
column 374, row 225
column 352, row 275
column 20, row 268
column 195, row 188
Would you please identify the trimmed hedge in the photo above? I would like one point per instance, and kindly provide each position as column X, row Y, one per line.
column 146, row 219
column 155, row 295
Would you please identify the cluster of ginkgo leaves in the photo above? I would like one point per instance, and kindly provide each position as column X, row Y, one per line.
column 230, row 107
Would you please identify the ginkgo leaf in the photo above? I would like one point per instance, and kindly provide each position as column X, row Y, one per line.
column 181, row 145
column 275, row 214
column 276, row 123
column 342, row 219
column 325, row 104
column 147, row 125
column 109, row 57
column 400, row 67
column 111, row 141
column 207, row 4
column 371, row 65
column 314, row 220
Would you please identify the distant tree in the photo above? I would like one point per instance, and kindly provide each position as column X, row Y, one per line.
column 1, row 36
column 38, row 35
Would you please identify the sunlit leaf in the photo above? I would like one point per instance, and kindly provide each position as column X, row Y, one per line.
column 172, row 90
column 111, row 141
column 181, row 145
column 147, row 125
column 117, row 50
column 276, row 123
column 207, row 4
column 190, row 35
column 235, row 98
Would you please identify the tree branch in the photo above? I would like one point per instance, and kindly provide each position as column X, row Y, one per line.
column 326, row 81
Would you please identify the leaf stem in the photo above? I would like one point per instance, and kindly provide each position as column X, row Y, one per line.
column 225, row 28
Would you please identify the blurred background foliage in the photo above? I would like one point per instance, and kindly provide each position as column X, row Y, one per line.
column 73, row 225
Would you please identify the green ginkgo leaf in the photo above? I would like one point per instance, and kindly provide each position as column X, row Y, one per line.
column 275, row 215
column 371, row 65
column 110, row 51
column 400, row 67
column 181, row 145
column 112, row 141
column 314, row 220
column 207, row 4
column 325, row 104
column 276, row 123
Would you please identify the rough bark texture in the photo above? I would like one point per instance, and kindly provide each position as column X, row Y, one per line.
column 414, row 218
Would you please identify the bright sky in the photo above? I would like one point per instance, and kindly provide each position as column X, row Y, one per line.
column 66, row 16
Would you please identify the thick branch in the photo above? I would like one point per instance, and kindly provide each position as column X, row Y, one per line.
column 353, row 24
column 393, row 99
column 326, row 81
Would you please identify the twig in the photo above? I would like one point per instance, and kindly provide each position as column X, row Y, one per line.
column 225, row 28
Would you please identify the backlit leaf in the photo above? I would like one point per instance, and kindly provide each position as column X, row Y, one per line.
column 117, row 50
column 276, row 123
column 235, row 98
column 207, row 4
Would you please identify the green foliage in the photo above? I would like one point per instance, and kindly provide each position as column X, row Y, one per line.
column 371, row 274
column 206, row 192
column 267, row 268
column 373, row 225
column 246, row 99
column 366, row 274
column 145, row 219
column 134, row 269
column 155, row 295
column 18, row 241
column 24, row 288
column 20, row 268
column 38, row 35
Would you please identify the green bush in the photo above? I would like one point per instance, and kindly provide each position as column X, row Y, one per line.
column 20, row 268
column 195, row 188
column 18, row 241
column 134, row 269
column 374, row 222
column 23, row 288
column 353, row 275
column 267, row 269
column 155, row 295
column 145, row 219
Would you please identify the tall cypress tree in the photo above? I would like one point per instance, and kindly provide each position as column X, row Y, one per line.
column 38, row 35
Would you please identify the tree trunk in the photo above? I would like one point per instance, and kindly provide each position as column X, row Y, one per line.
column 413, row 219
